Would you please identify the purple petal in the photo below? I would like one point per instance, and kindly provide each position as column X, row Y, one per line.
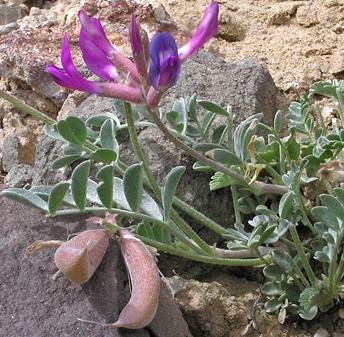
column 122, row 91
column 137, row 48
column 96, row 59
column 69, row 76
column 165, row 64
column 95, row 30
column 206, row 29
column 64, row 80
column 135, row 37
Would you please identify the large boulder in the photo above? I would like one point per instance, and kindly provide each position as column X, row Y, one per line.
column 33, row 304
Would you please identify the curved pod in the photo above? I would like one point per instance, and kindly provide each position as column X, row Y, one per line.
column 79, row 257
column 145, row 283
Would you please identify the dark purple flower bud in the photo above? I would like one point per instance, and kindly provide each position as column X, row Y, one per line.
column 68, row 76
column 206, row 29
column 137, row 48
column 165, row 64
column 135, row 37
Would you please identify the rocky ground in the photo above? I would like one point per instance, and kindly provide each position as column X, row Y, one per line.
column 299, row 42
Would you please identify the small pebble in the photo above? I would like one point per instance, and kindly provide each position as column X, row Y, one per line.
column 322, row 333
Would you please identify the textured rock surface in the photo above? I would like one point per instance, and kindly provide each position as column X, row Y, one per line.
column 223, row 308
column 247, row 86
column 19, row 176
column 32, row 304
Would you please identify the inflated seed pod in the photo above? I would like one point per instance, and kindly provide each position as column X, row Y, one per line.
column 145, row 284
column 79, row 257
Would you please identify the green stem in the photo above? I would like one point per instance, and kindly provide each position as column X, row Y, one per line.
column 236, row 204
column 255, row 187
column 261, row 257
column 27, row 108
column 305, row 219
column 150, row 124
column 184, row 207
column 340, row 270
column 191, row 233
column 139, row 216
column 199, row 217
column 230, row 129
column 298, row 271
column 319, row 117
column 201, row 258
column 302, row 255
column 197, row 155
column 333, row 263
column 154, row 185
column 138, row 152
column 273, row 173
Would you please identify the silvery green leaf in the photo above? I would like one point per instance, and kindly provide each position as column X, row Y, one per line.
column 271, row 288
column 56, row 196
column 286, row 204
column 148, row 205
column 64, row 161
column 213, row 107
column 133, row 185
column 104, row 189
column 272, row 305
column 73, row 130
column 79, row 183
column 169, row 189
column 224, row 157
column 107, row 137
column 25, row 197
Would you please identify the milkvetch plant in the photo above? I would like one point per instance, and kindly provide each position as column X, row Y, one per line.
column 285, row 180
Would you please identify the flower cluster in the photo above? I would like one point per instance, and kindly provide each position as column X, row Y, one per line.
column 155, row 66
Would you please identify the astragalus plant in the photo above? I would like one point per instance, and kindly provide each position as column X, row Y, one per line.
column 286, row 177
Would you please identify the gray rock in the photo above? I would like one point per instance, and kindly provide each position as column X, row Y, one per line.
column 10, row 152
column 91, row 106
column 19, row 176
column 10, row 14
column 47, row 151
column 32, row 304
column 247, row 86
column 8, row 28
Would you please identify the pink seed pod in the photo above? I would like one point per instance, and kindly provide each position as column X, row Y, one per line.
column 79, row 257
column 145, row 284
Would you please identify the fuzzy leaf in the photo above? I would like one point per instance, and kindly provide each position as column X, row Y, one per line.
column 79, row 184
column 25, row 197
column 73, row 130
column 56, row 196
column 65, row 161
column 169, row 189
column 105, row 189
column 213, row 107
column 133, row 185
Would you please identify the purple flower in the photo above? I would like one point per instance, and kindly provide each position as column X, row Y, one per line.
column 206, row 29
column 103, row 60
column 166, row 58
column 121, row 78
column 165, row 63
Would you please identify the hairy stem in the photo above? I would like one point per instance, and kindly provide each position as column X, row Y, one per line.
column 154, row 185
column 255, row 187
column 302, row 255
column 138, row 216
column 27, row 108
